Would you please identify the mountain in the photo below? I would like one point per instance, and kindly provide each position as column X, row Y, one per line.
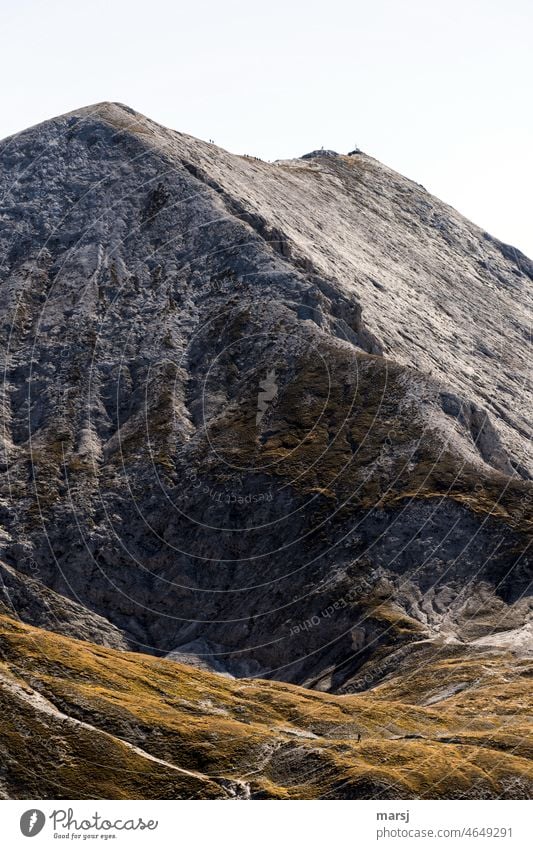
column 271, row 420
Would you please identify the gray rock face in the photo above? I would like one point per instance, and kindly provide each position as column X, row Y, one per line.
column 321, row 152
column 273, row 417
column 26, row 598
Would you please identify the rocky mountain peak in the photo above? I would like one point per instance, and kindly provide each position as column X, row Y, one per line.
column 239, row 395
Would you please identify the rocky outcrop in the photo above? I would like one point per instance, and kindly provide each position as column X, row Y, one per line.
column 272, row 418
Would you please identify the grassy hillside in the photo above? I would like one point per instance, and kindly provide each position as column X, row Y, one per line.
column 79, row 720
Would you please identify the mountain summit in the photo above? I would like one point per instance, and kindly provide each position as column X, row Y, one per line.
column 271, row 419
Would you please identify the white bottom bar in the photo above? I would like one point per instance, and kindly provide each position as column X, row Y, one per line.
column 276, row 825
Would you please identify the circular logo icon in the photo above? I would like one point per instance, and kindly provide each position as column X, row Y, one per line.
column 32, row 822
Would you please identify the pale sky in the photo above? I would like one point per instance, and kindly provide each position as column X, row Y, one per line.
column 440, row 91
